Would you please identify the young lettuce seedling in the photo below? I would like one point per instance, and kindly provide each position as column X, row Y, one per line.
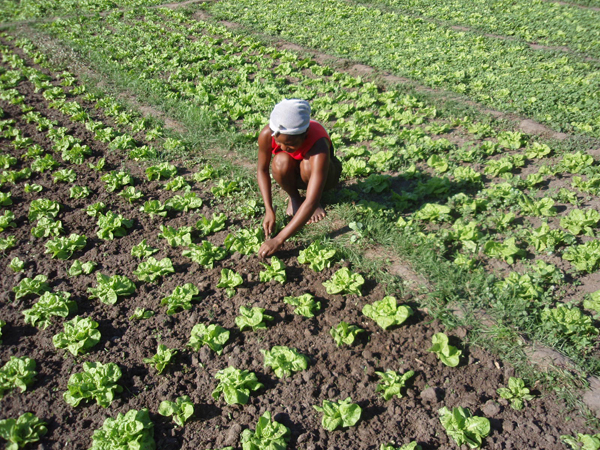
column 252, row 318
column 230, row 280
column 345, row 333
column 582, row 441
column 274, row 271
column 284, row 361
column 50, row 304
column 387, row 313
column 344, row 282
column 181, row 409
column 162, row 358
column 18, row 372
column 410, row 446
column 342, row 413
column 212, row 335
column 269, row 435
column 463, row 427
column 27, row 286
column 142, row 250
column 205, row 254
column 109, row 289
column 235, row 385
column 131, row 430
column 516, row 392
column 22, row 431
column 79, row 336
column 391, row 383
column 448, row 354
column 317, row 255
column 47, row 227
column 305, row 304
column 97, row 382
column 151, row 269
column 181, row 298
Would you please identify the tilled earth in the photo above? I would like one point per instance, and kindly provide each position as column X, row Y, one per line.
column 333, row 373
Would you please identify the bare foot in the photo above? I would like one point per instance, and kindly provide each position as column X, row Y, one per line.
column 318, row 215
column 293, row 205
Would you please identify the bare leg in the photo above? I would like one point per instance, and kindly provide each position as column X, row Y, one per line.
column 305, row 172
column 286, row 172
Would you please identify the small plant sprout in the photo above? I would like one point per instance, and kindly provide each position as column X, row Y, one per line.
column 582, row 441
column 130, row 430
column 391, row 383
column 97, row 382
column 27, row 286
column 269, row 435
column 79, row 336
column 205, row 254
column 235, row 385
column 176, row 237
column 181, row 298
column 274, row 271
column 342, row 413
column 141, row 314
column 131, row 194
column 64, row 247
column 152, row 269
column 109, row 289
column 305, row 304
column 448, row 354
column 387, row 313
column 284, row 361
column 207, row 227
column 18, row 372
column 142, row 250
column 345, row 333
column 516, row 393
column 162, row 358
column 253, row 318
column 22, row 431
column 49, row 304
column 181, row 409
column 344, row 282
column 16, row 265
column 214, row 336
column 317, row 255
column 79, row 268
column 410, row 446
column 230, row 280
column 463, row 427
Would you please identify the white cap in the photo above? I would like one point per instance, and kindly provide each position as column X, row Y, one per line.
column 290, row 116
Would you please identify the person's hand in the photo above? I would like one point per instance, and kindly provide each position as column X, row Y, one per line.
column 269, row 247
column 269, row 224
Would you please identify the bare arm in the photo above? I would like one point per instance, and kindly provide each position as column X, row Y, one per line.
column 264, row 178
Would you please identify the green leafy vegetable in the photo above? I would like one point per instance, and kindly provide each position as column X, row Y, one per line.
column 49, row 304
column 274, row 271
column 181, row 409
column 230, row 280
column 391, row 383
column 131, row 194
column 162, row 358
column 79, row 268
column 64, row 247
column 79, row 336
column 134, row 430
column 43, row 207
column 207, row 227
column 582, row 441
column 176, row 237
column 141, row 314
column 205, row 254
column 318, row 255
column 112, row 225
column 342, row 413
column 142, row 250
column 269, row 435
column 344, row 333
column 235, row 385
column 284, row 360
column 95, row 209
column 305, row 304
column 448, row 354
column 245, row 241
column 212, row 335
column 344, row 282
column 252, row 318
column 18, row 372
column 181, row 298
column 151, row 269
column 97, row 382
column 116, row 180
column 152, row 207
column 27, row 286
column 22, row 431
column 7, row 220
column 185, row 202
column 584, row 257
column 109, row 289
column 47, row 227
column 162, row 171
column 516, row 392
column 463, row 427
column 16, row 265
column 387, row 313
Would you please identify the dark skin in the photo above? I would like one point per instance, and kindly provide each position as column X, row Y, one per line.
column 312, row 170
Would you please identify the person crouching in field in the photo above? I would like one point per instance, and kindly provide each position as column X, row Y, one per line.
column 302, row 155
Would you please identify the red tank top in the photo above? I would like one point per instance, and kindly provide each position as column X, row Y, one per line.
column 315, row 132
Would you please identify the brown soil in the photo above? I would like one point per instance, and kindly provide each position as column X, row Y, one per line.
column 333, row 373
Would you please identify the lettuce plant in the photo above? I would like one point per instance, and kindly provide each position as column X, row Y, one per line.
column 582, row 441
column 506, row 250
column 131, row 194
column 7, row 220
column 64, row 247
column 584, row 257
column 410, row 446
column 447, row 353
column 245, row 241
column 109, row 289
column 463, row 427
column 392, row 383
column 225, row 188
column 162, row 171
column 317, row 255
column 154, row 207
column 16, row 265
column 176, row 237
column 142, row 250
column 206, row 227
column 342, row 413
column 269, row 435
column 566, row 321
column 581, row 220
column 128, row 431
column 252, row 318
column 43, row 207
column 151, row 269
column 79, row 192
column 181, row 298
column 208, row 172
column 305, row 304
column 27, row 286
column 112, row 225
column 387, row 313
column 344, row 282
column 64, row 176
column 22, row 431
column 185, row 202
column 116, row 180
column 6, row 198
column 79, row 336
column 95, row 209
column 181, row 409
column 97, row 382
column 344, row 333
column 214, row 336
column 141, row 314
column 205, row 254
column 516, row 392
column 235, row 385
column 7, row 243
column 18, row 372
column 162, row 358
column 79, row 268
column 284, row 360
column 47, row 227
column 274, row 271
column 230, row 280
column 49, row 304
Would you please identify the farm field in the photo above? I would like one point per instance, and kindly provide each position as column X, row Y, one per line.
column 130, row 214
